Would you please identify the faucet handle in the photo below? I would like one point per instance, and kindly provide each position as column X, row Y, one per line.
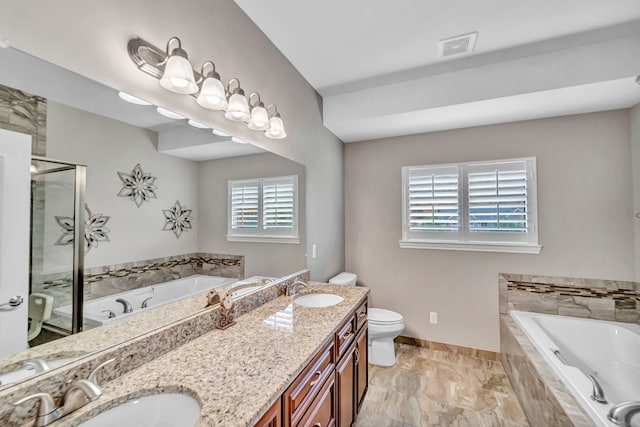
column 46, row 409
column 93, row 376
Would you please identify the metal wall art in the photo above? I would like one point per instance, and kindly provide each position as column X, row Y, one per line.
column 177, row 219
column 95, row 230
column 138, row 186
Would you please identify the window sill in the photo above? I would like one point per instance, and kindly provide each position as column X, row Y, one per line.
column 512, row 248
column 263, row 239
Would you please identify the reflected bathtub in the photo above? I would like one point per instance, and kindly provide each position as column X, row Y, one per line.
column 575, row 348
column 98, row 311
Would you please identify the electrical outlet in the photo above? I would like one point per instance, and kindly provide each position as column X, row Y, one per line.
column 314, row 251
column 433, row 317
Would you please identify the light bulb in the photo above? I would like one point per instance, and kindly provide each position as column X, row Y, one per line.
column 259, row 119
column 238, row 108
column 212, row 95
column 178, row 74
column 276, row 128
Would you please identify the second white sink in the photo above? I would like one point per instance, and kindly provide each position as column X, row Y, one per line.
column 166, row 410
column 318, row 300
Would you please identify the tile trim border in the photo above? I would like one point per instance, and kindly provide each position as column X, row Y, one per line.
column 451, row 348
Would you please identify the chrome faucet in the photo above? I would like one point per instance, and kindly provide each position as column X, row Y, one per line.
column 39, row 365
column 80, row 393
column 295, row 287
column 126, row 305
column 145, row 303
column 597, row 394
column 622, row 413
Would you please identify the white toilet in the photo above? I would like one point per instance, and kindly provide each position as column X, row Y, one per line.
column 384, row 327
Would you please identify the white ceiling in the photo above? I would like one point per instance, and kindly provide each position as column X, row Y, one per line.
column 364, row 49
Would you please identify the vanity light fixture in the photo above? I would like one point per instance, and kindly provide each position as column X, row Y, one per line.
column 178, row 74
column 197, row 124
column 238, row 108
column 276, row 125
column 238, row 140
column 169, row 114
column 132, row 99
column 259, row 119
column 212, row 95
column 219, row 132
column 172, row 67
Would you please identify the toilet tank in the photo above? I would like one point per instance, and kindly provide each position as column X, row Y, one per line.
column 344, row 278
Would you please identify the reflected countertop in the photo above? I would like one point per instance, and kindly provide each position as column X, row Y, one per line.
column 236, row 374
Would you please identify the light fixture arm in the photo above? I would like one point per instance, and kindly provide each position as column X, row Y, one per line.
column 237, row 89
column 275, row 110
column 206, row 74
column 258, row 103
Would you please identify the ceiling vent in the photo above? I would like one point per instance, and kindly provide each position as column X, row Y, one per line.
column 458, row 45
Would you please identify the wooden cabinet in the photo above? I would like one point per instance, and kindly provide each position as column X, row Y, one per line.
column 362, row 367
column 299, row 395
column 273, row 417
column 346, row 382
column 322, row 412
column 330, row 390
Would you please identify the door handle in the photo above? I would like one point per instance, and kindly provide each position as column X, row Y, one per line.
column 13, row 302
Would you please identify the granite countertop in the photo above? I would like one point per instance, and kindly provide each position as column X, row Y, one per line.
column 236, row 374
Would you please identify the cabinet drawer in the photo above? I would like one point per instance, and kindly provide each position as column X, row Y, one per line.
column 299, row 395
column 345, row 336
column 272, row 417
column 322, row 412
column 361, row 315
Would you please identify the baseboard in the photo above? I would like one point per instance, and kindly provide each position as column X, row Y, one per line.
column 455, row 349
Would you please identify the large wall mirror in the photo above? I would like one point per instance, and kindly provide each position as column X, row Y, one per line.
column 161, row 200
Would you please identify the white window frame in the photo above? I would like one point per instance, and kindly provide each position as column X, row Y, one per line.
column 463, row 240
column 262, row 235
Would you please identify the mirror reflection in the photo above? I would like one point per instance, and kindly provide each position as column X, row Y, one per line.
column 133, row 216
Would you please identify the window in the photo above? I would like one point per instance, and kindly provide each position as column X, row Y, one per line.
column 480, row 206
column 264, row 210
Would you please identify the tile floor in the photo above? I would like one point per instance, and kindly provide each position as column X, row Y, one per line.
column 437, row 388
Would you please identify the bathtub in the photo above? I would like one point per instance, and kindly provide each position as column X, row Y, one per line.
column 96, row 312
column 575, row 348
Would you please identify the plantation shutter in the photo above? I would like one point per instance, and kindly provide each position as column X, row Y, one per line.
column 278, row 203
column 245, row 205
column 432, row 200
column 497, row 195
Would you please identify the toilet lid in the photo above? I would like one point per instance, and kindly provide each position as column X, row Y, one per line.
column 382, row 316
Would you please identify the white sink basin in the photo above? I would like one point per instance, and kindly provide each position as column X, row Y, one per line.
column 166, row 410
column 318, row 300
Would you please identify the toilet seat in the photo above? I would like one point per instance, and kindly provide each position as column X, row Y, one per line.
column 380, row 316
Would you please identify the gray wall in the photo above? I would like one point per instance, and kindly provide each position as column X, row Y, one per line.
column 584, row 206
column 106, row 147
column 635, row 151
column 91, row 39
column 265, row 259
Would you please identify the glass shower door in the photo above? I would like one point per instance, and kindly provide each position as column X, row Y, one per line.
column 57, row 252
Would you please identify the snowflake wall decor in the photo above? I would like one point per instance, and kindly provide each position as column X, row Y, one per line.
column 138, row 186
column 94, row 229
column 177, row 219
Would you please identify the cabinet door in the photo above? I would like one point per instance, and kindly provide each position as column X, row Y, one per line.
column 322, row 412
column 362, row 366
column 272, row 418
column 346, row 382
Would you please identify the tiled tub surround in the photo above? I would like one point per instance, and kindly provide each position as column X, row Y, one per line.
column 238, row 373
column 542, row 395
column 113, row 279
column 133, row 342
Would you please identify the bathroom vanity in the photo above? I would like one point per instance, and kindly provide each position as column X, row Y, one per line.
column 281, row 364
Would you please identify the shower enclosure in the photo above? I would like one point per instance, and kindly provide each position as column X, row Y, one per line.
column 57, row 246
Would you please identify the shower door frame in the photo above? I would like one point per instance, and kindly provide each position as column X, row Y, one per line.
column 78, row 239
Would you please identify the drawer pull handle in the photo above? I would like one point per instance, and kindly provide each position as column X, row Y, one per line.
column 317, row 425
column 314, row 382
column 357, row 354
column 362, row 314
column 345, row 336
